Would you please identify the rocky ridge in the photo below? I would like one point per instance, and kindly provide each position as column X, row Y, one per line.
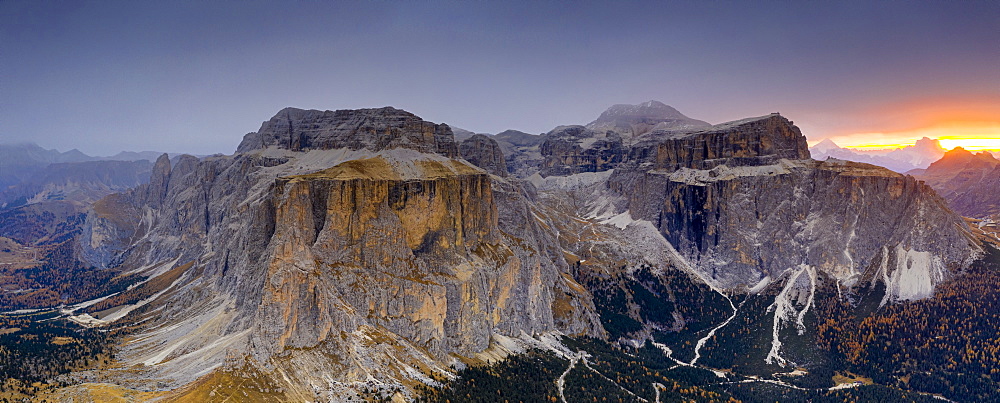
column 968, row 181
column 484, row 152
column 371, row 129
column 308, row 253
column 632, row 121
column 343, row 250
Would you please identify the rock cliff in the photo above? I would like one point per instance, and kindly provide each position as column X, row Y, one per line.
column 379, row 261
column 346, row 250
column 631, row 121
column 574, row 149
column 520, row 151
column 370, row 129
column 743, row 202
column 484, row 152
column 968, row 181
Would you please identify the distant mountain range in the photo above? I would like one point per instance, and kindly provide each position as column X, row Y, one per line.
column 44, row 193
column 20, row 161
column 919, row 155
column 969, row 181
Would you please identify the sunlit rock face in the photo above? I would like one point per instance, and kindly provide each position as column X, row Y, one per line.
column 969, row 181
column 354, row 247
column 382, row 257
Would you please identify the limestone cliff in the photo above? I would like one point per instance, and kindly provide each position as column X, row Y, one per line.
column 376, row 263
column 754, row 141
column 371, row 129
column 350, row 249
column 968, row 181
column 744, row 205
column 632, row 121
column 484, row 152
column 520, row 151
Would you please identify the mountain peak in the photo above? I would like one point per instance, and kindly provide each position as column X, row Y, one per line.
column 647, row 110
column 373, row 129
column 960, row 158
column 824, row 147
column 928, row 144
column 645, row 117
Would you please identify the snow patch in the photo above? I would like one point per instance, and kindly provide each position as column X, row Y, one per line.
column 569, row 182
column 701, row 177
column 621, row 220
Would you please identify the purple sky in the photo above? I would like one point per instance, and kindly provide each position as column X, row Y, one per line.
column 105, row 76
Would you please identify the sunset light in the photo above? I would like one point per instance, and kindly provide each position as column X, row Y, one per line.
column 973, row 136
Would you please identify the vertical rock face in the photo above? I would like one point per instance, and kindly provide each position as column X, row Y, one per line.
column 371, row 129
column 301, row 257
column 753, row 141
column 421, row 258
column 485, row 153
column 575, row 149
column 743, row 202
column 968, row 181
column 520, row 151
column 157, row 189
column 744, row 224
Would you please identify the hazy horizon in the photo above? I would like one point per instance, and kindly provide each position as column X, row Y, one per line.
column 195, row 77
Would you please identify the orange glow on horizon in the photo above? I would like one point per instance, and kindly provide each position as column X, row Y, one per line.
column 973, row 136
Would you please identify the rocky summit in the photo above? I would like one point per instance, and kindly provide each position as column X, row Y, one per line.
column 370, row 129
column 364, row 254
column 969, row 181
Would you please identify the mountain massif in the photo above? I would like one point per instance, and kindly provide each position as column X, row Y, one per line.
column 367, row 254
column 970, row 182
column 918, row 156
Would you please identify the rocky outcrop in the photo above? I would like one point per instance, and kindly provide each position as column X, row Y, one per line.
column 755, row 141
column 521, row 152
column 605, row 142
column 345, row 264
column 575, row 149
column 421, row 257
column 370, row 129
column 741, row 225
column 632, row 121
column 743, row 202
column 484, row 152
column 968, row 181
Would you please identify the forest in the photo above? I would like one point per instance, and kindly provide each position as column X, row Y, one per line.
column 59, row 279
column 36, row 348
column 947, row 345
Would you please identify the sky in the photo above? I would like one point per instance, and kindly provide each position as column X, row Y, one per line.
column 195, row 76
